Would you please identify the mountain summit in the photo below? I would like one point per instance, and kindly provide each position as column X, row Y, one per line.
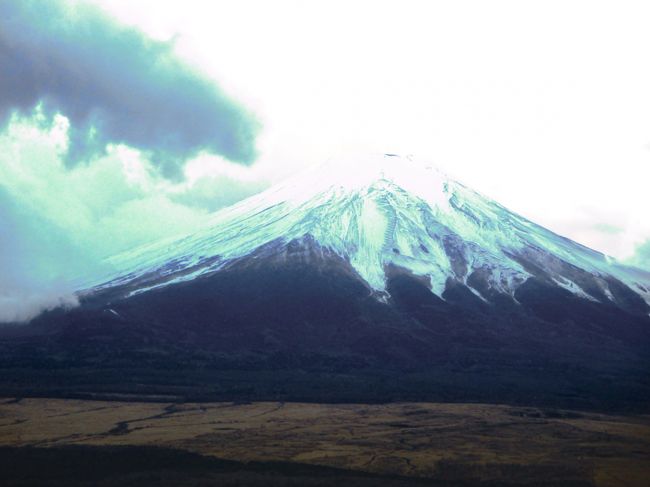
column 388, row 212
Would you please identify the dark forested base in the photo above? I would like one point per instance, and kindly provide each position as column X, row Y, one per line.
column 547, row 388
column 309, row 329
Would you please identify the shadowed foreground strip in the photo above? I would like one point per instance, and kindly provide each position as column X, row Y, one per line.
column 435, row 444
column 144, row 466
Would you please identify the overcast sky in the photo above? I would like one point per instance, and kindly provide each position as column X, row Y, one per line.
column 543, row 106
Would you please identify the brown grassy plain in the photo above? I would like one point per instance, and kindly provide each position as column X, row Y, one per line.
column 455, row 442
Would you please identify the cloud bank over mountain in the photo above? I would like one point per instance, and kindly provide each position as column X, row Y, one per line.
column 57, row 222
column 98, row 125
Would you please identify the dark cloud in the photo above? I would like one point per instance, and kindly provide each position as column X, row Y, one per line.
column 115, row 86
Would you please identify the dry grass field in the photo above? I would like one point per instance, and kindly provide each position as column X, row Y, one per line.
column 486, row 444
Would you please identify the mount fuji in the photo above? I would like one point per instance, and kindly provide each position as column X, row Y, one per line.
column 365, row 278
column 380, row 213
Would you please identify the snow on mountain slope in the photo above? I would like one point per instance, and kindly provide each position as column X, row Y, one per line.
column 378, row 211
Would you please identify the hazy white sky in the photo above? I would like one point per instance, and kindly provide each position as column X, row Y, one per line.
column 544, row 106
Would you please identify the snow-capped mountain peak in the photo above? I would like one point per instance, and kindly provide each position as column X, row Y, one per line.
column 384, row 212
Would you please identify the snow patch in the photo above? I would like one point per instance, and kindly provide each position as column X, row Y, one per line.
column 573, row 288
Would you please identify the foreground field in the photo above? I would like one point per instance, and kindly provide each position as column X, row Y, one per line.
column 456, row 443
